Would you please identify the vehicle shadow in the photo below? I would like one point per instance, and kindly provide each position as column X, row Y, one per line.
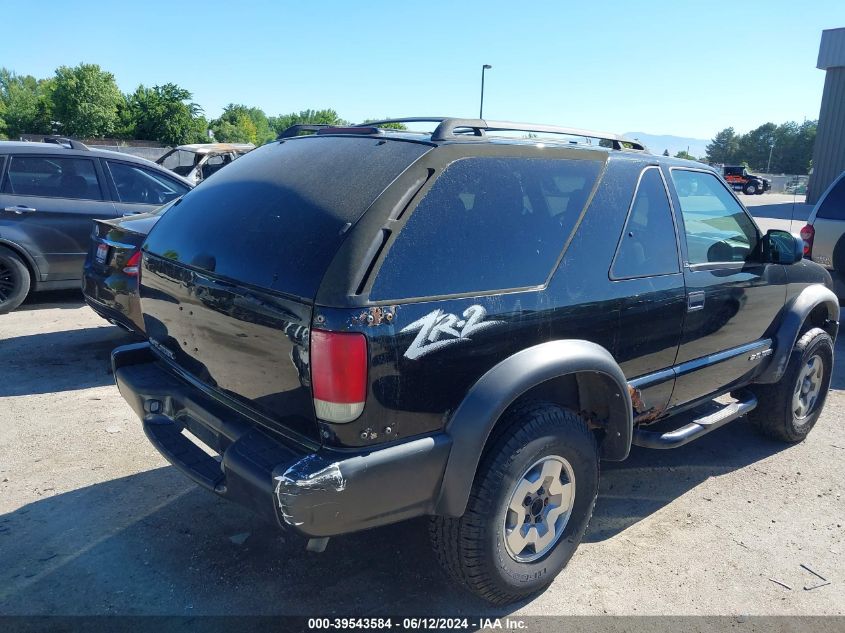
column 648, row 480
column 798, row 212
column 837, row 380
column 154, row 543
column 52, row 299
column 58, row 361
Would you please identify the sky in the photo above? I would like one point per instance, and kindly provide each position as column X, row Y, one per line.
column 687, row 68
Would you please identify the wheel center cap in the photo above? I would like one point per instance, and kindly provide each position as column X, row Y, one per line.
column 537, row 507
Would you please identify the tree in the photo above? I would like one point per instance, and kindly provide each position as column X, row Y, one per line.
column 685, row 155
column 754, row 147
column 25, row 104
column 793, row 150
column 86, row 100
column 166, row 114
column 242, row 124
column 724, row 147
column 665, row 152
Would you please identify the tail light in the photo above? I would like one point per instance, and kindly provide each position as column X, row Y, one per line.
column 807, row 234
column 132, row 264
column 338, row 374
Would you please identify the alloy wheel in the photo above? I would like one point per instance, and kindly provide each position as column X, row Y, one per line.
column 808, row 387
column 539, row 508
column 8, row 281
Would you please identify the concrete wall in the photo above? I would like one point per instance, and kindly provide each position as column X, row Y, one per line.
column 150, row 153
column 829, row 150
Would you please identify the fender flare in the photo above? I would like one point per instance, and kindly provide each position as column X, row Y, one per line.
column 790, row 326
column 470, row 425
column 24, row 254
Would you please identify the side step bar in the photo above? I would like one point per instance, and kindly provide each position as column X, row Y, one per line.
column 696, row 428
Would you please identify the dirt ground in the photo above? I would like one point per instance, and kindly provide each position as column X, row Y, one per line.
column 94, row 521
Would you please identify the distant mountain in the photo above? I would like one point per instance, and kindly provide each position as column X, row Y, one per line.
column 659, row 142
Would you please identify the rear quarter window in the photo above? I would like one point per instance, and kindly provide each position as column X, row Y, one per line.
column 833, row 205
column 487, row 224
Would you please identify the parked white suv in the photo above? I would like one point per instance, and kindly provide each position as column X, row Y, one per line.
column 823, row 233
column 198, row 161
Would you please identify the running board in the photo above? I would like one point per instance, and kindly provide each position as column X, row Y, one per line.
column 696, row 428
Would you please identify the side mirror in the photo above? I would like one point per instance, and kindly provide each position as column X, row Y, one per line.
column 782, row 247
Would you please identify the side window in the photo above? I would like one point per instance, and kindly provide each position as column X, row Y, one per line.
column 487, row 224
column 143, row 186
column 716, row 226
column 833, row 206
column 214, row 163
column 52, row 177
column 648, row 245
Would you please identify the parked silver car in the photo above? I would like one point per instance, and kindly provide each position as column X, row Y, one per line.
column 823, row 234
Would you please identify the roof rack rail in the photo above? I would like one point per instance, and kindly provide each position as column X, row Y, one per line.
column 454, row 128
column 410, row 119
column 364, row 130
column 68, row 143
column 447, row 130
column 296, row 130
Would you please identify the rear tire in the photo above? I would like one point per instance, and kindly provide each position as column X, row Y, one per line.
column 14, row 280
column 788, row 409
column 534, row 492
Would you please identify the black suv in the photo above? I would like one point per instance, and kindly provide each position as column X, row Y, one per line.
column 50, row 193
column 361, row 326
column 737, row 176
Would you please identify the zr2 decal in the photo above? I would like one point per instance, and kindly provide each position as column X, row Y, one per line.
column 438, row 330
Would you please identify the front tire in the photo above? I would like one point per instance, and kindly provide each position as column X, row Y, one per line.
column 750, row 189
column 788, row 409
column 14, row 280
column 529, row 507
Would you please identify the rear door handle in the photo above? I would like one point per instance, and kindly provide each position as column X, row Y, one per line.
column 695, row 301
column 20, row 209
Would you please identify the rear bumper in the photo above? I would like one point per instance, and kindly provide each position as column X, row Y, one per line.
column 118, row 305
column 315, row 491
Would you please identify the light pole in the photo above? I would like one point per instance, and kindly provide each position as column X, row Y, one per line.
column 484, row 68
column 769, row 164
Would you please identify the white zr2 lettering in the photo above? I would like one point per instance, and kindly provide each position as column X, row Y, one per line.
column 434, row 326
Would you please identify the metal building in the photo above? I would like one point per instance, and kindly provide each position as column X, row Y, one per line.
column 829, row 150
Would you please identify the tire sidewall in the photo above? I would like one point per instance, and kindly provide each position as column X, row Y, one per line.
column 528, row 577
column 21, row 272
column 821, row 346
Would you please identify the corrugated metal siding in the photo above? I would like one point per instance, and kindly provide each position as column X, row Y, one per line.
column 829, row 150
column 832, row 49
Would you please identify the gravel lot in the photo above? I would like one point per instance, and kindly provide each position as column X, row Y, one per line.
column 94, row 521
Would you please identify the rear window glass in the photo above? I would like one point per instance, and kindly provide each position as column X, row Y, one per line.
column 487, row 224
column 275, row 217
column 833, row 206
